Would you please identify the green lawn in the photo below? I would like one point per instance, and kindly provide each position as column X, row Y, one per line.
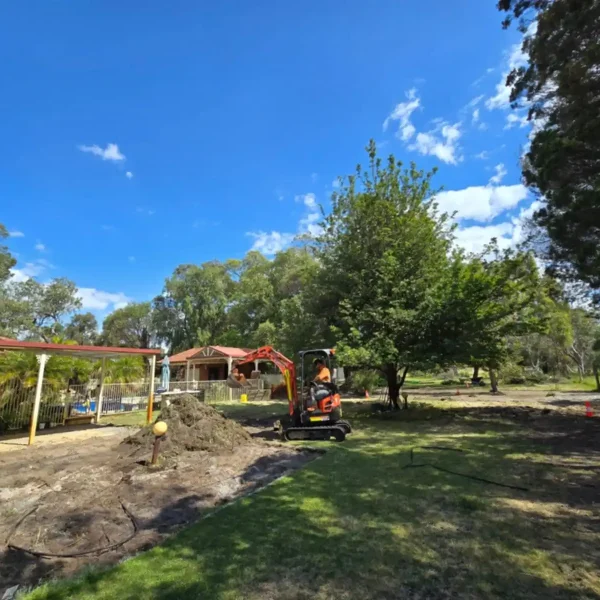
column 355, row 525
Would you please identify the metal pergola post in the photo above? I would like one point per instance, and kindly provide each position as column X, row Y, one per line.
column 101, row 392
column 42, row 360
column 151, row 392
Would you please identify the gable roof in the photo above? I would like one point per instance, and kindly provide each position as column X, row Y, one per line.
column 182, row 357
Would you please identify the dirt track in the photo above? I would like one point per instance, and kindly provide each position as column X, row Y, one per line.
column 83, row 491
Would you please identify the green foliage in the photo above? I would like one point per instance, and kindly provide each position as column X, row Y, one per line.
column 7, row 261
column 36, row 310
column 489, row 300
column 366, row 380
column 382, row 252
column 83, row 329
column 130, row 326
column 560, row 87
column 125, row 370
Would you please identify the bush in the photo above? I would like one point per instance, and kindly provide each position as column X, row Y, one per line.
column 450, row 382
column 535, row 376
column 512, row 373
column 365, row 380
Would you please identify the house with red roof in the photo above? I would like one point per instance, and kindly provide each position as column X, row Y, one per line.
column 210, row 363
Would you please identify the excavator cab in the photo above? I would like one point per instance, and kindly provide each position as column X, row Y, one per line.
column 315, row 406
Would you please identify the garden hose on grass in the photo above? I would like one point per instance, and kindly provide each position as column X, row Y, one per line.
column 412, row 465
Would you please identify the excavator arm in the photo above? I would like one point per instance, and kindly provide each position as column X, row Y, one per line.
column 284, row 364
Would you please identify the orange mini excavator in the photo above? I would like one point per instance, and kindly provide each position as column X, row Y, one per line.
column 315, row 413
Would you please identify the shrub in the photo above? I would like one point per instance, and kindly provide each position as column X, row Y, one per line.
column 365, row 380
column 512, row 373
column 450, row 382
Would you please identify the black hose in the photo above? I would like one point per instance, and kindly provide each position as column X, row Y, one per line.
column 473, row 477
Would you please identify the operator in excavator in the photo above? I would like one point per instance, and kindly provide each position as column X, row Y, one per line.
column 323, row 374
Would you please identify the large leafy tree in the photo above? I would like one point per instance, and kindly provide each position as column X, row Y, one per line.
column 192, row 310
column 383, row 252
column 561, row 88
column 130, row 326
column 37, row 311
column 488, row 300
column 83, row 329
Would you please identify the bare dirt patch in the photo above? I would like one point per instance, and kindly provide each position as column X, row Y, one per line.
column 84, row 499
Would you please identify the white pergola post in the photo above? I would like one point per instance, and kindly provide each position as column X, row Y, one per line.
column 256, row 365
column 42, row 360
column 229, row 363
column 187, row 375
column 101, row 392
column 151, row 393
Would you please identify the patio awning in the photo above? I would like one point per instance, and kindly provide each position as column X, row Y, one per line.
column 76, row 350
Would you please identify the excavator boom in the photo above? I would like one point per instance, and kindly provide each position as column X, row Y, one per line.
column 283, row 363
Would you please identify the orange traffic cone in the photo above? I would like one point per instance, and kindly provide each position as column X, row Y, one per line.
column 367, row 397
column 589, row 411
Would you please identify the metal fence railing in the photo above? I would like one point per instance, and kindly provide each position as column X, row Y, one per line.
column 59, row 403
column 218, row 391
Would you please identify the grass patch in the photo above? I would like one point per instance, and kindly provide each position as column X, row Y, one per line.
column 355, row 525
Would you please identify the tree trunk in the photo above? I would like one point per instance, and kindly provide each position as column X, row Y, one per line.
column 393, row 388
column 401, row 384
column 475, row 379
column 597, row 376
column 493, row 380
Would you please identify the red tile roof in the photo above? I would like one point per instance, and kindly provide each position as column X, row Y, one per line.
column 184, row 356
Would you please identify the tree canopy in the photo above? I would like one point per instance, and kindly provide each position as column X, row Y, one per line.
column 560, row 87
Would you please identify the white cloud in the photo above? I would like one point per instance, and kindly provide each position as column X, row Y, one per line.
column 93, row 299
column 40, row 247
column 441, row 142
column 475, row 117
column 499, row 176
column 275, row 241
column 508, row 234
column 515, row 58
column 335, row 184
column 129, row 175
column 144, row 210
column 314, row 177
column 111, row 152
column 131, row 259
column 484, row 155
column 271, row 243
column 16, row 234
column 515, row 119
column 30, row 269
column 309, row 200
column 402, row 113
column 481, row 203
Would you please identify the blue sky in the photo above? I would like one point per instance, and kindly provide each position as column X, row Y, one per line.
column 140, row 135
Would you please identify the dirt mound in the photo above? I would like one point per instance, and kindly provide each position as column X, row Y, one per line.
column 193, row 426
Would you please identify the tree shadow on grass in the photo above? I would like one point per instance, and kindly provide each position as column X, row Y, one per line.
column 355, row 525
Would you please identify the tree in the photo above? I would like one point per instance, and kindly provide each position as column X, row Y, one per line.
column 192, row 310
column 383, row 251
column 561, row 89
column 37, row 310
column 7, row 261
column 130, row 326
column 488, row 300
column 585, row 331
column 82, row 329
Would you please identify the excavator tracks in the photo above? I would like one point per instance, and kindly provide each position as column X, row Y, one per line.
column 337, row 432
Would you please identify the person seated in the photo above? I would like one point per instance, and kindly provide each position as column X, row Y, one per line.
column 323, row 374
column 239, row 377
column 322, row 381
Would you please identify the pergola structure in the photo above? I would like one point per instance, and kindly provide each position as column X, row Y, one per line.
column 44, row 351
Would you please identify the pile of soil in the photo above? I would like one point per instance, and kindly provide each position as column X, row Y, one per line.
column 192, row 426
